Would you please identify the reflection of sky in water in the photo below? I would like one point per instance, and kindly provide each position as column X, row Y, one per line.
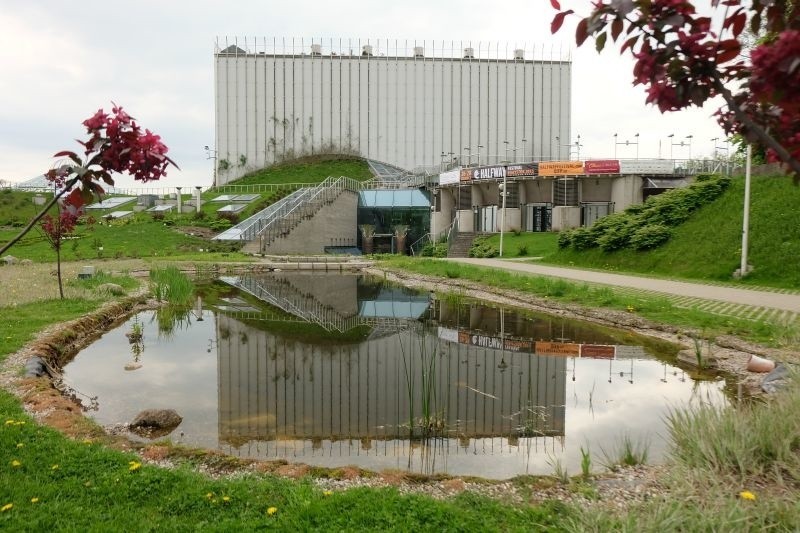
column 258, row 394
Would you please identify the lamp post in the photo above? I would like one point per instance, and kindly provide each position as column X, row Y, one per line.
column 576, row 145
column 626, row 142
column 469, row 155
column 479, row 154
column 671, row 144
column 504, row 192
column 523, row 149
column 506, row 143
column 727, row 153
column 212, row 154
column 690, row 137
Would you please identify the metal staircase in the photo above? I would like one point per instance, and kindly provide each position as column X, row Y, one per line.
column 283, row 216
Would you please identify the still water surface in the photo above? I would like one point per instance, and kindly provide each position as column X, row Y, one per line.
column 338, row 370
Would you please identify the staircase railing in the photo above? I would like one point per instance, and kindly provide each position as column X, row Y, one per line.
column 289, row 215
column 282, row 216
column 452, row 232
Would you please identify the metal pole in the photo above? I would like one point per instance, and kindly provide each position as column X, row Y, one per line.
column 503, row 218
column 746, row 222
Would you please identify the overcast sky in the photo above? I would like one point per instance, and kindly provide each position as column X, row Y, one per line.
column 61, row 61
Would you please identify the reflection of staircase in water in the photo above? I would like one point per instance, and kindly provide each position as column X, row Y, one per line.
column 282, row 293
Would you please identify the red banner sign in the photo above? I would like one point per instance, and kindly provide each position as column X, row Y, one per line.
column 601, row 166
column 598, row 351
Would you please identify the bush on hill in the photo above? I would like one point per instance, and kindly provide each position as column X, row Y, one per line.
column 646, row 225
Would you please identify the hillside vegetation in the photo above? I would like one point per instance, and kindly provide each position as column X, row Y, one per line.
column 707, row 245
column 312, row 169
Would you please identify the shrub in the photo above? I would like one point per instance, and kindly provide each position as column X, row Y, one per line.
column 618, row 236
column 583, row 239
column 481, row 247
column 431, row 249
column 650, row 236
column 565, row 239
column 522, row 250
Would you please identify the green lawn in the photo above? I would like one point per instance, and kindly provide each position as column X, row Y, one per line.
column 708, row 245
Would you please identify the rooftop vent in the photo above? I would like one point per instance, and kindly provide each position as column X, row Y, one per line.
column 366, row 50
column 469, row 53
column 419, row 51
column 316, row 49
column 519, row 54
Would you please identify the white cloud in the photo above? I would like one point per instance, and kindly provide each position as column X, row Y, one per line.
column 61, row 61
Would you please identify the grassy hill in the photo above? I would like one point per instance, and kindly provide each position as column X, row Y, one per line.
column 312, row 169
column 708, row 245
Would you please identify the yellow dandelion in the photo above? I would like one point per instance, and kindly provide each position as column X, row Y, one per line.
column 134, row 466
column 631, row 309
column 87, row 441
column 226, row 498
column 209, row 495
column 15, row 463
column 6, row 507
column 327, row 493
column 34, row 500
column 20, row 423
column 20, row 445
column 747, row 495
column 54, row 467
column 10, row 422
column 272, row 510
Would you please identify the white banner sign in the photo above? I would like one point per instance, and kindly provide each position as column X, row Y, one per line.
column 452, row 176
column 647, row 166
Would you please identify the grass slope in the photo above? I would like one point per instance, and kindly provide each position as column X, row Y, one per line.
column 309, row 170
column 708, row 245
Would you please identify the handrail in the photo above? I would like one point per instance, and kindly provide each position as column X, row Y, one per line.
column 416, row 247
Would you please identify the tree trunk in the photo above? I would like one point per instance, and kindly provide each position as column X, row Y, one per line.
column 58, row 270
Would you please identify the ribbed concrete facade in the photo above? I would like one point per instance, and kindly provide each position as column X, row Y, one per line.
column 414, row 105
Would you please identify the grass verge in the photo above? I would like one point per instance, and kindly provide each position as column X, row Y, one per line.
column 653, row 308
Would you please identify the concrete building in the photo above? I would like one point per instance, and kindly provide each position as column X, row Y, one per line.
column 416, row 105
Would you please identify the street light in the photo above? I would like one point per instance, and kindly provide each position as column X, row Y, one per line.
column 577, row 146
column 626, row 142
column 506, row 143
column 479, row 154
column 469, row 156
column 523, row 149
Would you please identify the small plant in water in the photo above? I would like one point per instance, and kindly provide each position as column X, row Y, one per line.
column 559, row 470
column 627, row 452
column 586, row 462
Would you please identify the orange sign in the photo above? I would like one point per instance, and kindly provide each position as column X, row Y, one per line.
column 566, row 349
column 560, row 168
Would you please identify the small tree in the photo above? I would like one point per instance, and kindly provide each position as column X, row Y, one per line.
column 115, row 143
column 685, row 58
column 54, row 230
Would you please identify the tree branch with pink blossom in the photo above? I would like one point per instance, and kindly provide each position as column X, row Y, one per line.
column 683, row 61
column 115, row 144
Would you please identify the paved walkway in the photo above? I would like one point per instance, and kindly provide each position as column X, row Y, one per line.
column 676, row 290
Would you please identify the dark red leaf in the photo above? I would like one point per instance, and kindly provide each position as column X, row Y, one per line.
column 555, row 4
column 558, row 20
column 739, row 23
column 616, row 29
column 581, row 32
column 628, row 44
column 723, row 56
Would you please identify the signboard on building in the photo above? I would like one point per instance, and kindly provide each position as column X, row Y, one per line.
column 647, row 166
column 560, row 168
column 516, row 171
column 483, row 173
column 597, row 351
column 601, row 166
column 450, row 177
column 566, row 349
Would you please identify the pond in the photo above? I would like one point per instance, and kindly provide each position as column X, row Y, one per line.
column 336, row 370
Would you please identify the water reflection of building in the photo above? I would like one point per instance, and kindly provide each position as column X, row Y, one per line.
column 271, row 387
column 274, row 386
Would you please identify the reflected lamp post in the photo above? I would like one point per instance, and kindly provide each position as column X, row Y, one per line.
column 469, row 155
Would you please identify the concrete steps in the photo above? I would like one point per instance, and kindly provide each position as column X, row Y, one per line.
column 461, row 245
